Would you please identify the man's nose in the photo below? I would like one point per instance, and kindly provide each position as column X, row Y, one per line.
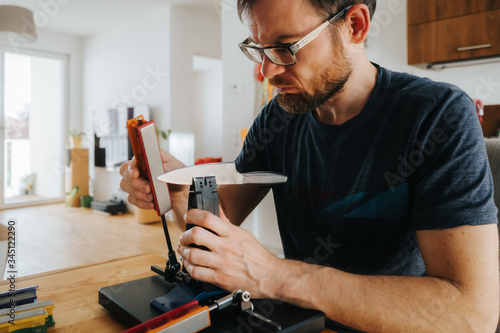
column 269, row 69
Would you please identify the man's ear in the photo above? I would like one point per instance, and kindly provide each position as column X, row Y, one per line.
column 358, row 22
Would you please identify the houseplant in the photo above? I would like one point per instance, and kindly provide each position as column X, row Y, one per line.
column 76, row 138
column 162, row 135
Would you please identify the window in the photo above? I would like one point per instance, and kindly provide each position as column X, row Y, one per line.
column 33, row 127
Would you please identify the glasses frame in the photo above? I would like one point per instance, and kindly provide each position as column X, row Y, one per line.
column 292, row 48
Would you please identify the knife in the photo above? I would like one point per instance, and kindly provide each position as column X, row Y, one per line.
column 225, row 173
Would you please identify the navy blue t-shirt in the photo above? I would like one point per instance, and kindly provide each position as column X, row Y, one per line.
column 413, row 159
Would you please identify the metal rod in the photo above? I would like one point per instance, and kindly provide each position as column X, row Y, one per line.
column 167, row 235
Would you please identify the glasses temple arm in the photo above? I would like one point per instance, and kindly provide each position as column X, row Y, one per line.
column 311, row 36
column 304, row 41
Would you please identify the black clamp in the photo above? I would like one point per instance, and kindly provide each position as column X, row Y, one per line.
column 202, row 195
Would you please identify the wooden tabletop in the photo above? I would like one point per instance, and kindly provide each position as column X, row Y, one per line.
column 75, row 291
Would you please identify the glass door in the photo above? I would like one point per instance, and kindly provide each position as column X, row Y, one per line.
column 32, row 114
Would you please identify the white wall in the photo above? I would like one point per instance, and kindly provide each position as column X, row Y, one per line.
column 191, row 34
column 387, row 46
column 128, row 65
column 207, row 110
column 239, row 104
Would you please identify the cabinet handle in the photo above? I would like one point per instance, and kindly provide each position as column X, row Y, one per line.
column 475, row 47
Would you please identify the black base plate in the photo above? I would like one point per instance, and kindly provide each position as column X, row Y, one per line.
column 130, row 303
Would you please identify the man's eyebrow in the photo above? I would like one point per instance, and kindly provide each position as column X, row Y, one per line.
column 280, row 39
column 287, row 37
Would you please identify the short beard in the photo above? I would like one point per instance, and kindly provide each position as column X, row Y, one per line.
column 324, row 86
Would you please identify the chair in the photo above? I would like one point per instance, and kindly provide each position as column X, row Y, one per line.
column 493, row 150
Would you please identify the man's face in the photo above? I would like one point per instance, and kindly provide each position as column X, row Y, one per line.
column 322, row 67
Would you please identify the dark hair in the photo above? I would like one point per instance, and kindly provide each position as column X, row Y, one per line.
column 327, row 7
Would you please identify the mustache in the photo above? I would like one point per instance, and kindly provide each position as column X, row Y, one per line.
column 278, row 82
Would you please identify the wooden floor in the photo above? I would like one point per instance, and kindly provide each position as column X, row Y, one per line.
column 54, row 236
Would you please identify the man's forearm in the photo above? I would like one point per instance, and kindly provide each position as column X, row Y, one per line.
column 380, row 303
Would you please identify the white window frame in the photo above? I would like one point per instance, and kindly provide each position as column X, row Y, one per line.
column 65, row 105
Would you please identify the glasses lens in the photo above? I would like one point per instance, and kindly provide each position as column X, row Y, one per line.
column 252, row 54
column 280, row 56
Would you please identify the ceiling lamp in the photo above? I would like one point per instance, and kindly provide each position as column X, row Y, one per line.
column 17, row 25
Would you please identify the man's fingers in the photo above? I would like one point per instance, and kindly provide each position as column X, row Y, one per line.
column 137, row 198
column 138, row 188
column 124, row 170
column 131, row 175
column 199, row 236
column 132, row 190
column 197, row 256
column 209, row 221
column 136, row 185
column 199, row 272
column 133, row 170
column 140, row 203
column 141, row 184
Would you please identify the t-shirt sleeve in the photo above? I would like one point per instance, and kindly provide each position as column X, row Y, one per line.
column 449, row 175
column 253, row 154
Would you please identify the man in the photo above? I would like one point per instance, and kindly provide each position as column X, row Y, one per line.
column 387, row 219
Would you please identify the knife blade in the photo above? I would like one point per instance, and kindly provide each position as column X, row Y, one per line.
column 225, row 173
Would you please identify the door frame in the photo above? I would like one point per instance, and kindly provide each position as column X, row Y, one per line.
column 64, row 130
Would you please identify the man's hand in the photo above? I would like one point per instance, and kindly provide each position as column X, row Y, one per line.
column 139, row 189
column 236, row 259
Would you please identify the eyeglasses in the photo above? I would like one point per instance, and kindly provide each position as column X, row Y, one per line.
column 284, row 55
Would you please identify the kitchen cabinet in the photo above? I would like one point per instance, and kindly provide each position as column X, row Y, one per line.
column 421, row 11
column 452, row 30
